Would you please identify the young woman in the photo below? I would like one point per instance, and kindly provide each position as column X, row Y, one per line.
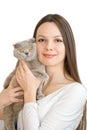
column 61, row 101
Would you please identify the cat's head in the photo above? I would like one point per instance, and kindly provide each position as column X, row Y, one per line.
column 25, row 50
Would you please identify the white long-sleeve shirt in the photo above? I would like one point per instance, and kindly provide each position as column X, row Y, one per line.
column 60, row 110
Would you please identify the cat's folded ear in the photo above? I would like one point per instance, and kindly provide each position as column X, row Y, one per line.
column 32, row 40
column 16, row 45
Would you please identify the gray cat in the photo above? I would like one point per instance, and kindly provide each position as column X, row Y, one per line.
column 25, row 50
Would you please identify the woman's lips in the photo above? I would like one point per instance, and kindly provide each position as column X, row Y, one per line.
column 49, row 55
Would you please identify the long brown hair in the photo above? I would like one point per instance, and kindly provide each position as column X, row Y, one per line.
column 70, row 64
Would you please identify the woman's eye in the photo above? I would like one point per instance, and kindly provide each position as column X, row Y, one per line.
column 59, row 40
column 41, row 40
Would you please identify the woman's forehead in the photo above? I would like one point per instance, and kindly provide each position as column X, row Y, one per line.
column 48, row 29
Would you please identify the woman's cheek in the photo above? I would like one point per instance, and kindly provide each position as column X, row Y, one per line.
column 39, row 51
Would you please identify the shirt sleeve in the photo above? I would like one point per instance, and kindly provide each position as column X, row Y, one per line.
column 63, row 115
column 1, row 124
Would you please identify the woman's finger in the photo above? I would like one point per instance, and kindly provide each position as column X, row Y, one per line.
column 14, row 96
column 17, row 94
column 17, row 89
column 14, row 99
column 23, row 64
column 24, row 68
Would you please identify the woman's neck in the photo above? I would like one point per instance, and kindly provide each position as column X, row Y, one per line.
column 58, row 75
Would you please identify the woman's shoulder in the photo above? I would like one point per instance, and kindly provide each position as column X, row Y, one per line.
column 76, row 86
column 76, row 90
column 73, row 97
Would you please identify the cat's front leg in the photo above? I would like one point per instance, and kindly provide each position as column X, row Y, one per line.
column 9, row 128
column 8, row 117
column 4, row 128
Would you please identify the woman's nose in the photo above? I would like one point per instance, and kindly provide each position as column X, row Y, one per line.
column 49, row 46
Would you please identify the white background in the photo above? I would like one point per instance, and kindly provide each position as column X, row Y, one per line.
column 18, row 19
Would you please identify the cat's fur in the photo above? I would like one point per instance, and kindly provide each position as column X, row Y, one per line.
column 25, row 50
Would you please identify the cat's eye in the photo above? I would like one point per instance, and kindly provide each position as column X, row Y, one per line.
column 30, row 48
column 21, row 50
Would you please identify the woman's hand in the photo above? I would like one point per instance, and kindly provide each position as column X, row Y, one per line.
column 9, row 96
column 28, row 82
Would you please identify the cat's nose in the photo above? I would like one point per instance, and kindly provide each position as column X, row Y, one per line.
column 26, row 53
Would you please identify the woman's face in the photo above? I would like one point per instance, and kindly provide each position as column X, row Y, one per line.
column 50, row 46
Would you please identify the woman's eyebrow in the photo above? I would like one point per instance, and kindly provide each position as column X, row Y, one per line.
column 40, row 36
column 58, row 36
column 53, row 36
